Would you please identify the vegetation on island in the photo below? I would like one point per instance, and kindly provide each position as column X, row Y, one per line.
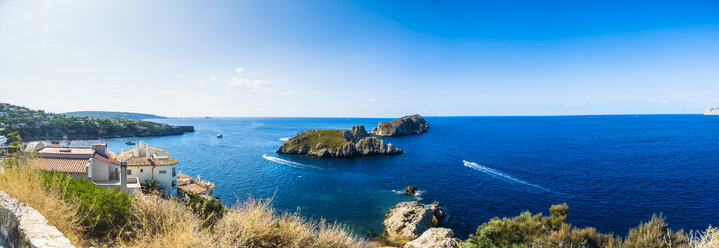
column 38, row 125
column 113, row 115
column 337, row 143
column 329, row 139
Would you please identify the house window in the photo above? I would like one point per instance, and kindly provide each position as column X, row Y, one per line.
column 163, row 171
column 140, row 170
column 129, row 172
column 174, row 183
column 173, row 172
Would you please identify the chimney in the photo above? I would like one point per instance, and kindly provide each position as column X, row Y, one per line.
column 100, row 149
column 147, row 153
column 123, row 176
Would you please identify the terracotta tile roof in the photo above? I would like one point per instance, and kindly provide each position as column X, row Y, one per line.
column 106, row 159
column 128, row 153
column 196, row 186
column 66, row 165
column 142, row 161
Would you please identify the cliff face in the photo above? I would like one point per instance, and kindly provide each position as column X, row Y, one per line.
column 411, row 124
column 60, row 135
column 337, row 143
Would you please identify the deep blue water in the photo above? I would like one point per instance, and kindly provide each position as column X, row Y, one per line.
column 613, row 171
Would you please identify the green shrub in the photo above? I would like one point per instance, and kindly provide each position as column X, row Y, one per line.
column 527, row 230
column 209, row 210
column 105, row 210
column 655, row 234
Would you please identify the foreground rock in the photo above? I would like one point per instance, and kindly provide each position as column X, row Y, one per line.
column 408, row 220
column 337, row 143
column 435, row 238
column 411, row 124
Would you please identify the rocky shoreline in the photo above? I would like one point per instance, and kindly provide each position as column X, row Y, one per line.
column 419, row 225
column 171, row 130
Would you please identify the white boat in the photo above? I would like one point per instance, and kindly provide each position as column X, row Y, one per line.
column 219, row 135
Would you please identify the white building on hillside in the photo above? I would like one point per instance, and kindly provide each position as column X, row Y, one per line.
column 151, row 163
column 90, row 163
column 712, row 111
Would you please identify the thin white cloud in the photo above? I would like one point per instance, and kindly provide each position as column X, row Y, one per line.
column 259, row 85
column 664, row 101
column 213, row 78
column 715, row 87
column 370, row 99
column 244, row 82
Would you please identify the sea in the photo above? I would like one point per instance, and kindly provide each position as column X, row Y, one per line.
column 614, row 171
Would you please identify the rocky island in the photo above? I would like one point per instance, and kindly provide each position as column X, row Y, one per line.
column 411, row 124
column 337, row 143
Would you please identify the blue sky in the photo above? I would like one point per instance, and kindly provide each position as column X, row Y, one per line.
column 361, row 58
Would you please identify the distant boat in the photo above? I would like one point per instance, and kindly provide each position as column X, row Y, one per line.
column 130, row 143
column 219, row 135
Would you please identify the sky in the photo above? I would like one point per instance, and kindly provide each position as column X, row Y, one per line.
column 334, row 58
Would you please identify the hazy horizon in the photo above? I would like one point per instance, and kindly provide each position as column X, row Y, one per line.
column 361, row 58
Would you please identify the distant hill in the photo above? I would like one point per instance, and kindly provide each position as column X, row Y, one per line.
column 33, row 125
column 113, row 115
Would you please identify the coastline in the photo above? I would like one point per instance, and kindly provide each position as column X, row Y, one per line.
column 170, row 131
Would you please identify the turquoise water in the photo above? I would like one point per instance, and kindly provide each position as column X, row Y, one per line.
column 613, row 171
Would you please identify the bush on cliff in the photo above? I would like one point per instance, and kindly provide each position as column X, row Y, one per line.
column 105, row 211
column 527, row 230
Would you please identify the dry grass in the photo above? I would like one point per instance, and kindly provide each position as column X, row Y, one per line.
column 157, row 222
column 26, row 184
column 706, row 239
column 255, row 223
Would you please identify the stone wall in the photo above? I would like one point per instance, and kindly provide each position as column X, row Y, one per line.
column 23, row 226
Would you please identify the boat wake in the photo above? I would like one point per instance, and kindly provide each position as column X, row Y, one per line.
column 503, row 176
column 285, row 139
column 290, row 163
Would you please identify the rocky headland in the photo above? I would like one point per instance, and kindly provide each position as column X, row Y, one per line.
column 326, row 143
column 411, row 124
column 419, row 225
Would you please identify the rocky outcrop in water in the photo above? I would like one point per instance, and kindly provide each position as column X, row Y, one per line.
column 408, row 220
column 409, row 190
column 435, row 238
column 337, row 143
column 411, row 124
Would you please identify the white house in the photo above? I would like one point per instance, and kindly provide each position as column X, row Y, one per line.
column 712, row 111
column 151, row 163
column 2, row 139
column 90, row 163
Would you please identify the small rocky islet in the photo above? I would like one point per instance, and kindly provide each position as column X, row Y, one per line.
column 331, row 143
column 411, row 124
